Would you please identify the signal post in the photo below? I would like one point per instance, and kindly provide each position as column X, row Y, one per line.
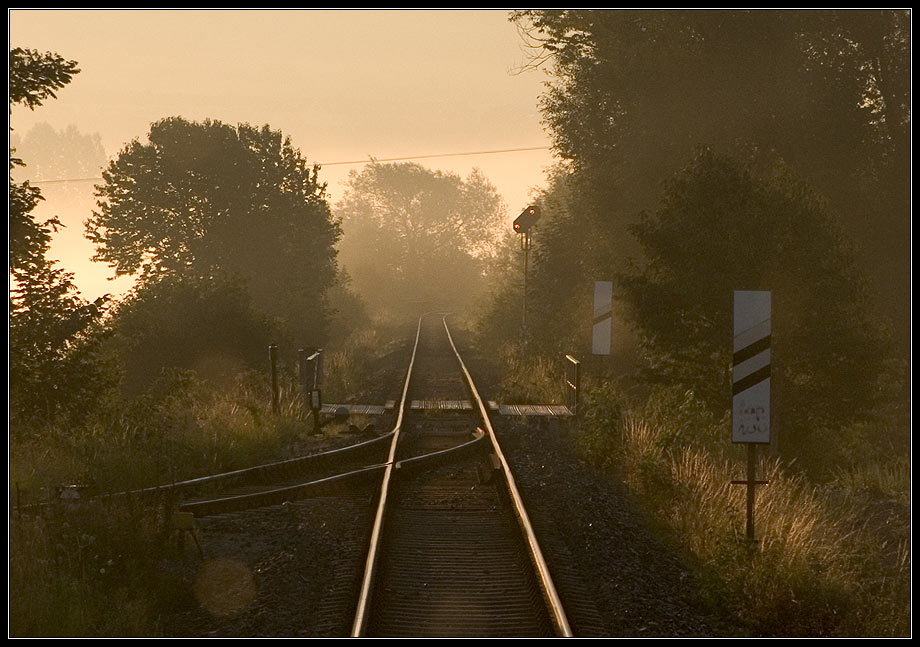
column 523, row 225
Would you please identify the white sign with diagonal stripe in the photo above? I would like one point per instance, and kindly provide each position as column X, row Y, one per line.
column 751, row 367
column 603, row 315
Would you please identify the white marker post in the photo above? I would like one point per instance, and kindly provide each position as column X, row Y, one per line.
column 751, row 383
column 603, row 314
column 751, row 368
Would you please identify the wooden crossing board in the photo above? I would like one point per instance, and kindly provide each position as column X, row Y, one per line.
column 356, row 409
column 551, row 410
column 441, row 405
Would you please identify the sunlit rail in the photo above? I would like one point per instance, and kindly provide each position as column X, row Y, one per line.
column 366, row 603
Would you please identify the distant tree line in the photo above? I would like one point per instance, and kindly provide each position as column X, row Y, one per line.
column 233, row 245
column 230, row 236
column 417, row 239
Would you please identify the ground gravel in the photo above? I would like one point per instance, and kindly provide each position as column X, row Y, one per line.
column 293, row 570
column 638, row 584
column 284, row 571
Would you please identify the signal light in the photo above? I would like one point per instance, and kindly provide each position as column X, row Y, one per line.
column 527, row 219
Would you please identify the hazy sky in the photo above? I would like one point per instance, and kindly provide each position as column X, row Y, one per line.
column 344, row 85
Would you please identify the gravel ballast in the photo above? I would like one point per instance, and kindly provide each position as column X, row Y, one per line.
column 293, row 570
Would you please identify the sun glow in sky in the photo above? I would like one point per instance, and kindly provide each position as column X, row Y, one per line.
column 344, row 85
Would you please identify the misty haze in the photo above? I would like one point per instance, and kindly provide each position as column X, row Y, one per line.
column 402, row 323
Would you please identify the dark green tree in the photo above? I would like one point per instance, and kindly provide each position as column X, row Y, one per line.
column 34, row 77
column 556, row 274
column 177, row 322
column 828, row 92
column 719, row 228
column 416, row 237
column 209, row 201
column 54, row 335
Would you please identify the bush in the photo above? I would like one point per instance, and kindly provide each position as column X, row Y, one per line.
column 205, row 326
column 601, row 427
column 722, row 228
column 682, row 419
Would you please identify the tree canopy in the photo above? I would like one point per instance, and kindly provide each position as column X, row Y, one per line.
column 35, row 76
column 720, row 228
column 412, row 234
column 827, row 92
column 54, row 333
column 207, row 200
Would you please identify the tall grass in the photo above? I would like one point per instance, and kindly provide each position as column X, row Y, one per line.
column 108, row 569
column 186, row 430
column 347, row 365
column 824, row 563
column 115, row 569
column 814, row 570
column 530, row 379
column 94, row 571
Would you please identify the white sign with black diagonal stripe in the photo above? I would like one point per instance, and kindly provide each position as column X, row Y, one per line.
column 751, row 368
column 603, row 315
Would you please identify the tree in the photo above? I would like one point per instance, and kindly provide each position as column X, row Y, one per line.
column 556, row 273
column 827, row 92
column 35, row 76
column 178, row 322
column 417, row 236
column 212, row 201
column 55, row 370
column 67, row 153
column 719, row 228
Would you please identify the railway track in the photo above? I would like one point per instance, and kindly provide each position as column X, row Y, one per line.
column 450, row 549
column 452, row 552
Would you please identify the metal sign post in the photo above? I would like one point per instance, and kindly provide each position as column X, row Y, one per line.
column 302, row 375
column 751, row 384
column 525, row 245
column 311, row 378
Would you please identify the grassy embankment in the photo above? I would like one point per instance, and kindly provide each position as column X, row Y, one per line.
column 833, row 553
column 111, row 569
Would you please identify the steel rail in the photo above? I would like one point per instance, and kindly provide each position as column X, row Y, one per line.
column 264, row 470
column 546, row 581
column 275, row 496
column 362, row 612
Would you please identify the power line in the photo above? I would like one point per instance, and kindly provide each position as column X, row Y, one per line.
column 418, row 157
column 370, row 160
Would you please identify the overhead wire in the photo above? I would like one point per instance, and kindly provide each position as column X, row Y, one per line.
column 370, row 160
